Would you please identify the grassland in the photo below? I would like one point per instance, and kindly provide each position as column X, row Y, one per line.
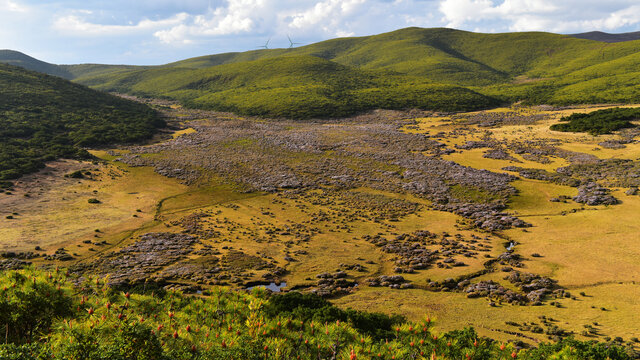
column 52, row 208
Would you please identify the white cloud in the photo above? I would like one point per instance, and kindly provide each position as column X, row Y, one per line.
column 330, row 16
column 75, row 25
column 458, row 12
column 13, row 6
column 149, row 31
column 266, row 17
column 540, row 15
column 321, row 19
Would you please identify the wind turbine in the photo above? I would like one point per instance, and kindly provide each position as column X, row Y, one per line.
column 291, row 43
column 265, row 46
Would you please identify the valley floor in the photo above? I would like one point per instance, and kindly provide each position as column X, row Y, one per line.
column 331, row 206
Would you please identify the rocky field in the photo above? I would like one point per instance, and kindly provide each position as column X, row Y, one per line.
column 484, row 218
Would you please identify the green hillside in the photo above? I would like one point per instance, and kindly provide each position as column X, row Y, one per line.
column 44, row 117
column 291, row 86
column 413, row 67
column 434, row 69
column 87, row 70
column 453, row 56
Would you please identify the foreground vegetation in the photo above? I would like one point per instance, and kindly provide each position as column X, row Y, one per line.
column 45, row 317
column 598, row 122
column 43, row 118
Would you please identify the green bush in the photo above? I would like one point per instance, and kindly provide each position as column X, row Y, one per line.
column 598, row 122
column 312, row 307
column 29, row 304
column 48, row 318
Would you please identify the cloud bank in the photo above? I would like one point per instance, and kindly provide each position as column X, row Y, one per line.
column 157, row 31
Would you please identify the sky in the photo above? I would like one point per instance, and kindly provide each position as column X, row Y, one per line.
column 160, row 31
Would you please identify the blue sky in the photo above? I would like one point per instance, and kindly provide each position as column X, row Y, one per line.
column 161, row 31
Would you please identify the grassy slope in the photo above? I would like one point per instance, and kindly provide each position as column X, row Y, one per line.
column 291, row 86
column 533, row 67
column 453, row 56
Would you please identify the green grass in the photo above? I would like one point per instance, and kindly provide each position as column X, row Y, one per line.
column 468, row 193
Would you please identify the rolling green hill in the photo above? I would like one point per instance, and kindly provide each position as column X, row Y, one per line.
column 291, row 86
column 402, row 65
column 69, row 72
column 43, row 118
column 434, row 69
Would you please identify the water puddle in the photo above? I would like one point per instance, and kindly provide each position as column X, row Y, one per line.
column 275, row 287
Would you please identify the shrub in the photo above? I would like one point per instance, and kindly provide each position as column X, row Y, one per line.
column 598, row 122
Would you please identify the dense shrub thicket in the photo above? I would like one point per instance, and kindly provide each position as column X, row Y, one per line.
column 43, row 118
column 598, row 122
column 45, row 317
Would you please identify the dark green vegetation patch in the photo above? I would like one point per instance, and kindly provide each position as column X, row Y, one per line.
column 599, row 122
column 43, row 118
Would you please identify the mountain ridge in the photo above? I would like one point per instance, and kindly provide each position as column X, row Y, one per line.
column 608, row 37
column 20, row 59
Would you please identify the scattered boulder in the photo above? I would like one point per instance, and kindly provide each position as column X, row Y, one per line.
column 331, row 285
column 393, row 282
column 593, row 194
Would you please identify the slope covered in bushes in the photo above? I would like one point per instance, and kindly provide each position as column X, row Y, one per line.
column 43, row 118
column 533, row 67
column 432, row 69
column 293, row 87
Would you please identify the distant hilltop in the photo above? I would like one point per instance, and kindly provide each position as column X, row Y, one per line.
column 436, row 69
column 608, row 38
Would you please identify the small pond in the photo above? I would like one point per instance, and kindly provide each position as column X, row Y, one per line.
column 275, row 287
